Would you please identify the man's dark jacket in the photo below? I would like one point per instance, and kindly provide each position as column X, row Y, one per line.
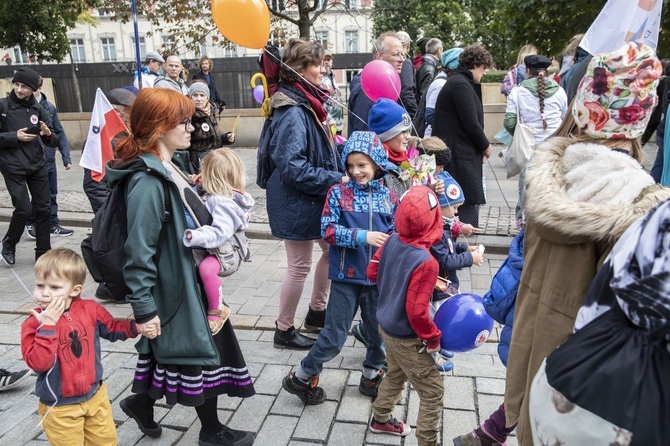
column 18, row 156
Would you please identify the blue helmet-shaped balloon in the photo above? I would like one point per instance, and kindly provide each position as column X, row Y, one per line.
column 464, row 323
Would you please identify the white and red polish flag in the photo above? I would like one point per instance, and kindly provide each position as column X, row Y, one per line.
column 105, row 125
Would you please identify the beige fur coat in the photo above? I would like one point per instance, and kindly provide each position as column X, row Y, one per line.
column 581, row 197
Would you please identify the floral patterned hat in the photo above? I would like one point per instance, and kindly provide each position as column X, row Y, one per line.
column 618, row 93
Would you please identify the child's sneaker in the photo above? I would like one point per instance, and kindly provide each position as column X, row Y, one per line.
column 392, row 426
column 370, row 387
column 357, row 331
column 309, row 393
column 9, row 380
column 442, row 360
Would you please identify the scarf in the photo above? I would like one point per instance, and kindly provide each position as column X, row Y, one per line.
column 29, row 102
column 316, row 96
column 396, row 158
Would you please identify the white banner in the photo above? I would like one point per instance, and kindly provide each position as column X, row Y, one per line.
column 622, row 21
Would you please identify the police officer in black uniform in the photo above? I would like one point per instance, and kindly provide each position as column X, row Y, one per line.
column 22, row 121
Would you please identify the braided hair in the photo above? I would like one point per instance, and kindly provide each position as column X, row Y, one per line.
column 541, row 92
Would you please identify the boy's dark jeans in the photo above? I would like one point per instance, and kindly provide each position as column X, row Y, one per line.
column 344, row 300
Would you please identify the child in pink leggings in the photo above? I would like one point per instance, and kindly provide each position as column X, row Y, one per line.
column 222, row 178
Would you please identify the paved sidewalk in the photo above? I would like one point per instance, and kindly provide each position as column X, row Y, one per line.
column 474, row 388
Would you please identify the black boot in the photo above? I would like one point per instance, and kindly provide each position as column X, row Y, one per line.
column 315, row 320
column 142, row 415
column 292, row 339
column 8, row 252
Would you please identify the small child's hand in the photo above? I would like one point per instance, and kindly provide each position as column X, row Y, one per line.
column 231, row 137
column 189, row 236
column 477, row 257
column 468, row 230
column 375, row 238
column 438, row 187
column 433, row 349
column 197, row 180
column 52, row 313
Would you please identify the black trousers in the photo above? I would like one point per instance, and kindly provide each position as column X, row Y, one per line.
column 36, row 182
column 469, row 213
column 53, row 190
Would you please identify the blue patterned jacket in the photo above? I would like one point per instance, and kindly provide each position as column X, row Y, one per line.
column 353, row 209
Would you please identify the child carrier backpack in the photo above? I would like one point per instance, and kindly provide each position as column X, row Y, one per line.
column 104, row 250
column 234, row 251
column 270, row 61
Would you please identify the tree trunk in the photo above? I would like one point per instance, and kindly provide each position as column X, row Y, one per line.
column 305, row 27
column 75, row 83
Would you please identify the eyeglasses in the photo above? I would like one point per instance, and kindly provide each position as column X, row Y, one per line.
column 397, row 56
column 187, row 124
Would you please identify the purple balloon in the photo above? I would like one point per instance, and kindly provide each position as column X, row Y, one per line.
column 380, row 80
column 259, row 94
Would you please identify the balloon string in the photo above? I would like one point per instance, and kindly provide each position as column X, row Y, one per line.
column 334, row 99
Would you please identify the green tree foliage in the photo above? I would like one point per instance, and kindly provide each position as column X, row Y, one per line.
column 503, row 26
column 40, row 27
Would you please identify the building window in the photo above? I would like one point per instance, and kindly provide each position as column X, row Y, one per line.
column 277, row 5
column 77, row 50
column 143, row 47
column 108, row 49
column 351, row 4
column 230, row 50
column 322, row 38
column 168, row 42
column 350, row 41
column 21, row 56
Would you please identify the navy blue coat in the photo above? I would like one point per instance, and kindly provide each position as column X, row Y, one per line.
column 359, row 105
column 306, row 163
column 500, row 301
column 451, row 256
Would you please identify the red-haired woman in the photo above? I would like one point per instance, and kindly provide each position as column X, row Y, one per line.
column 179, row 359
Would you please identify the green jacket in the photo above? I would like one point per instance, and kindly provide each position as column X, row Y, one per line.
column 170, row 288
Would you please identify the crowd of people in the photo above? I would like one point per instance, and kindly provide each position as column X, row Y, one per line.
column 387, row 238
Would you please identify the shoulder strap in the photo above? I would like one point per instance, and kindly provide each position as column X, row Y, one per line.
column 3, row 112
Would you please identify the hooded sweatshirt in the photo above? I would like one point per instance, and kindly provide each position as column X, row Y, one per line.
column 352, row 209
column 405, row 270
column 525, row 99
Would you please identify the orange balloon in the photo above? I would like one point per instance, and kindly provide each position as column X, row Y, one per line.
column 244, row 22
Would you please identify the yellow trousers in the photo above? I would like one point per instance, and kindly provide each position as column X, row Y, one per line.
column 89, row 423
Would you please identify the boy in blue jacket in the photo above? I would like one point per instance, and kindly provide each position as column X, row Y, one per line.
column 451, row 255
column 356, row 220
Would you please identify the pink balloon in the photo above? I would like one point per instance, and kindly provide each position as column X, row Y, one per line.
column 259, row 94
column 380, row 80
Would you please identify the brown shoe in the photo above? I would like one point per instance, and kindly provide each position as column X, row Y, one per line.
column 476, row 438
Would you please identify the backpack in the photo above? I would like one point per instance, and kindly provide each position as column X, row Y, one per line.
column 264, row 164
column 234, row 251
column 270, row 64
column 104, row 250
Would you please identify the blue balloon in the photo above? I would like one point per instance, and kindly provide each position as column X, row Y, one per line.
column 464, row 323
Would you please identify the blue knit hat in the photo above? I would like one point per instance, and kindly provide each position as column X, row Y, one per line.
column 450, row 58
column 453, row 194
column 387, row 119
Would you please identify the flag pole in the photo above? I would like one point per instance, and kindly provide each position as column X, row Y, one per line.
column 138, row 56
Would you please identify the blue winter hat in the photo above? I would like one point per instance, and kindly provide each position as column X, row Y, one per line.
column 387, row 119
column 450, row 58
column 453, row 194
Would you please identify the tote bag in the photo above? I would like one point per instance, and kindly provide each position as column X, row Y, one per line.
column 521, row 148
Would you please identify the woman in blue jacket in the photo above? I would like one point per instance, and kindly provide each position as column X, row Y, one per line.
column 306, row 166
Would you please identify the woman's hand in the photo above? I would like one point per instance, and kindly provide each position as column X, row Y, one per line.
column 486, row 154
column 151, row 328
column 375, row 238
column 468, row 230
column 477, row 257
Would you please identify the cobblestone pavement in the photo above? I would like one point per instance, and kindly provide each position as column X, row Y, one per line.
column 474, row 388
